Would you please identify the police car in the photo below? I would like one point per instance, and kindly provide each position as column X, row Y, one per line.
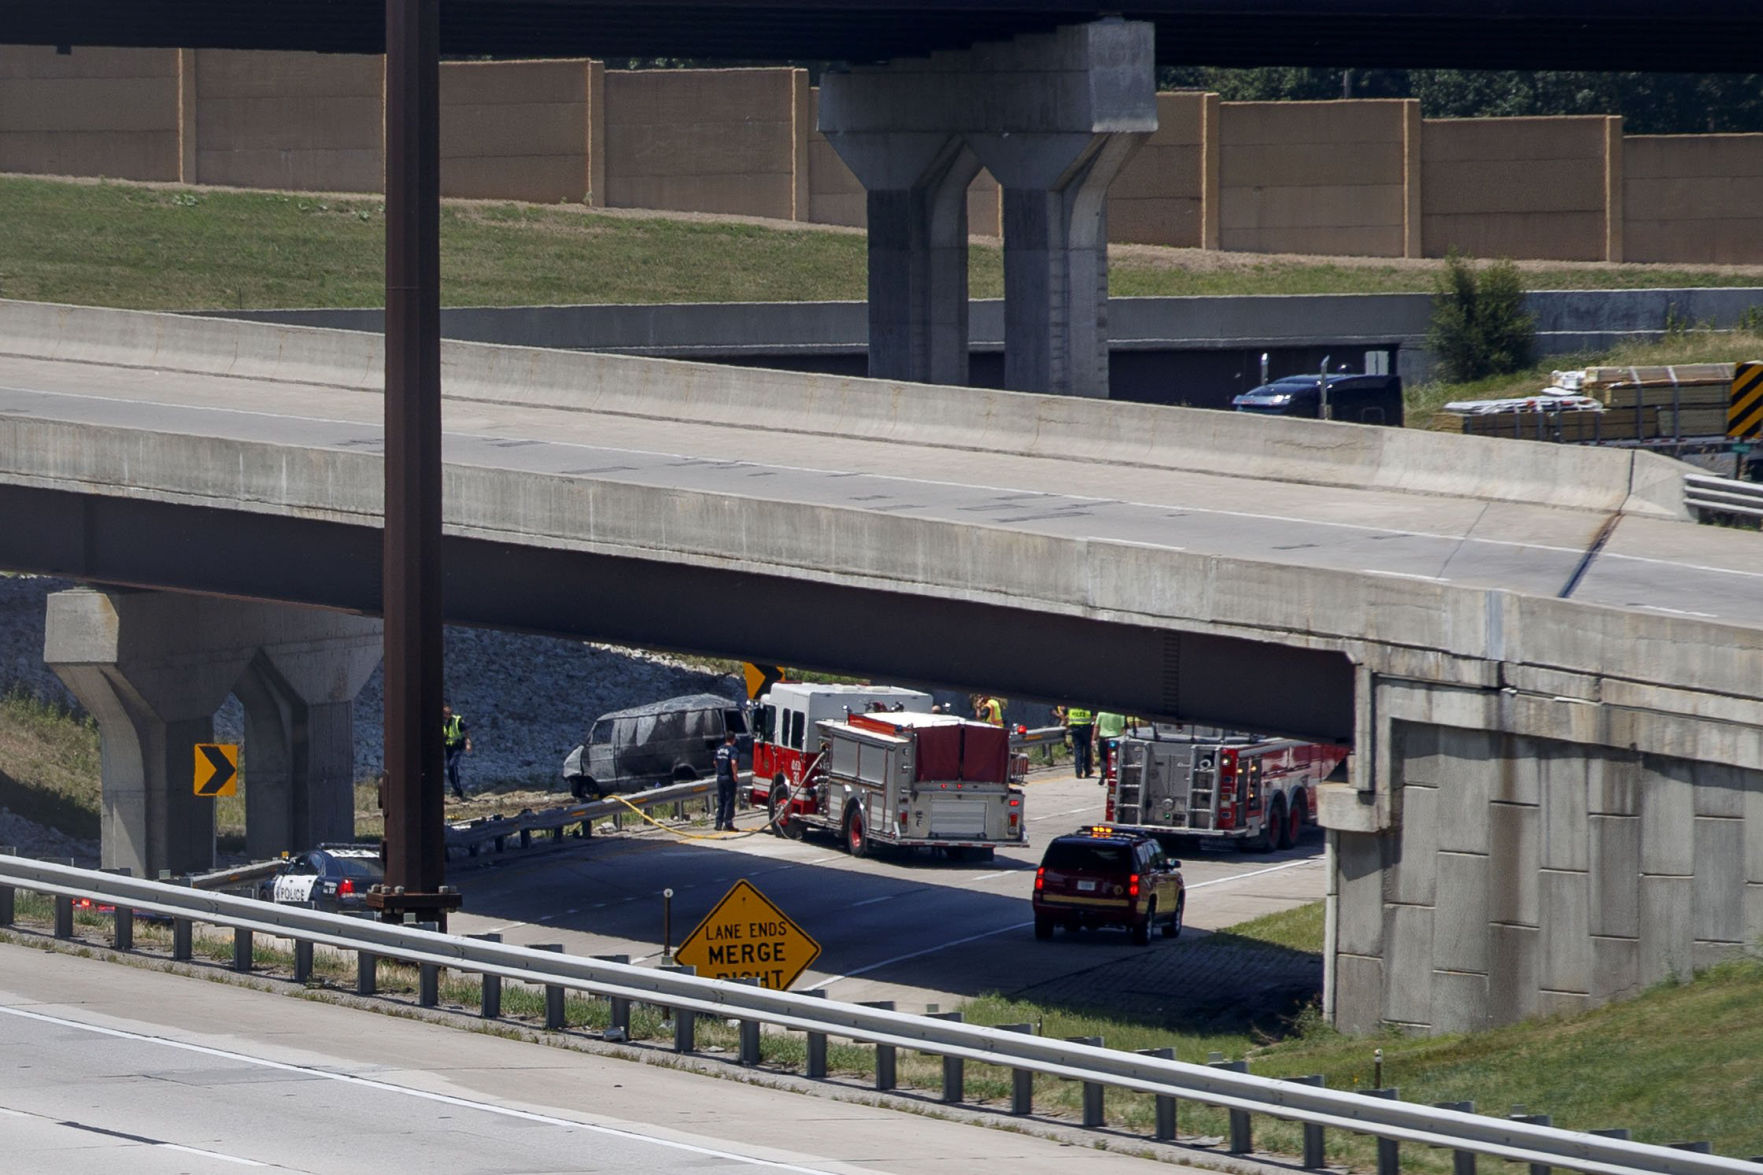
column 332, row 877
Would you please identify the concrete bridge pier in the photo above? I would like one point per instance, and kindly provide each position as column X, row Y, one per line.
column 1540, row 843
column 1054, row 116
column 299, row 700
column 153, row 667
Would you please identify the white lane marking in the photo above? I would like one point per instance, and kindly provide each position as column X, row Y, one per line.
column 420, row 1094
column 1069, row 812
column 1256, row 873
column 993, row 876
column 832, row 979
column 1674, row 611
column 872, row 901
column 191, row 1150
column 823, row 860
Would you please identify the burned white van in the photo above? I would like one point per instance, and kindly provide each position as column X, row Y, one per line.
column 670, row 741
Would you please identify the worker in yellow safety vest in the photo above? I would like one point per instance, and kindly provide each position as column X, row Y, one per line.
column 1109, row 727
column 988, row 709
column 1079, row 725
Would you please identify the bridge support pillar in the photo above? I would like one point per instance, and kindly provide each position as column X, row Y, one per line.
column 1054, row 116
column 1534, row 848
column 152, row 668
column 916, row 185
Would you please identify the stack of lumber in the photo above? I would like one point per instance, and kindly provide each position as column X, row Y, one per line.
column 1533, row 424
column 1690, row 398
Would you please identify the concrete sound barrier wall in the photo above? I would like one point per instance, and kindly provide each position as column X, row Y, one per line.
column 1167, row 193
column 836, row 406
column 709, row 140
column 305, row 121
column 97, row 112
column 1693, row 198
column 523, row 130
column 1320, row 177
column 1547, row 188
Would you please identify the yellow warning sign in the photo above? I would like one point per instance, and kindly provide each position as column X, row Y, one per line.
column 1744, row 412
column 746, row 937
column 760, row 678
column 217, row 769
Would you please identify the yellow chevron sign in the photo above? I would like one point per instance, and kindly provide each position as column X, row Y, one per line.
column 1744, row 413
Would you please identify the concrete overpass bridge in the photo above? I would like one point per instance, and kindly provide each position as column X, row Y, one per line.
column 1548, row 673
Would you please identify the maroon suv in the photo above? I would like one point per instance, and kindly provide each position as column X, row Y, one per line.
column 1106, row 877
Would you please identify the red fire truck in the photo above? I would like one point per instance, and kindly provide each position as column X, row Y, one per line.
column 786, row 718
column 1258, row 792
column 910, row 780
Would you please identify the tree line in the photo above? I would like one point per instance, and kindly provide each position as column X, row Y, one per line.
column 1649, row 103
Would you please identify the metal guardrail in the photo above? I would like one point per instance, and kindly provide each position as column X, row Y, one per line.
column 1721, row 495
column 498, row 829
column 1235, row 1091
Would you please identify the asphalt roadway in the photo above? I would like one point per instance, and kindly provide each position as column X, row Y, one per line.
column 113, row 1068
column 913, row 927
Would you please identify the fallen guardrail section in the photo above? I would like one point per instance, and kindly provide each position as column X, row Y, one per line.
column 1707, row 494
column 1374, row 1113
column 497, row 831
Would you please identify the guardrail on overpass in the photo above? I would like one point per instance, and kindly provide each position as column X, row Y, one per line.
column 1242, row 1094
column 1706, row 494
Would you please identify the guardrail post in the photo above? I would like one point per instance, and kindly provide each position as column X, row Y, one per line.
column 526, row 838
column 1462, row 1162
column 1518, row 1115
column 428, row 976
column 814, row 1067
column 620, row 1015
column 367, row 973
column 122, row 935
column 302, row 961
column 8, row 906
column 63, row 915
column 241, row 949
column 1700, row 1148
column 886, row 1076
column 489, row 986
column 1022, row 1081
column 748, row 1053
column 553, row 992
column 685, row 1021
column 1095, row 1110
column 1315, row 1155
column 1242, row 1137
column 181, row 947
column 1389, row 1151
column 954, row 1068
column 1164, row 1130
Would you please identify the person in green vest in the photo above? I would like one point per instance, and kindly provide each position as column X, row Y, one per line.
column 1079, row 725
column 453, row 732
column 1109, row 727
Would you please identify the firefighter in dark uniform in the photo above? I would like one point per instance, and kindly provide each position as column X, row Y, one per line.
column 727, row 763
column 453, row 731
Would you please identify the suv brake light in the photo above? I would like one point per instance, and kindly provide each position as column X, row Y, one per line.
column 345, row 886
column 1040, row 879
column 1132, row 886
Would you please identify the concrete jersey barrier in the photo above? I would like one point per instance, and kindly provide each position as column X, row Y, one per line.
column 958, row 418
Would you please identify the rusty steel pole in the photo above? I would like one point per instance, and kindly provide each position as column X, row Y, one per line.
column 413, row 794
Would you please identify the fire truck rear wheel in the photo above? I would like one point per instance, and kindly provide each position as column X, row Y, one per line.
column 1295, row 821
column 1172, row 928
column 1141, row 931
column 856, row 835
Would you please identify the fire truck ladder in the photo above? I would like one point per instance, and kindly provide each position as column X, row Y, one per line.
column 1129, row 783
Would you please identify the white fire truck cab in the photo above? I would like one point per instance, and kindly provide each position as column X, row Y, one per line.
column 785, row 721
column 1257, row 792
column 910, row 780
